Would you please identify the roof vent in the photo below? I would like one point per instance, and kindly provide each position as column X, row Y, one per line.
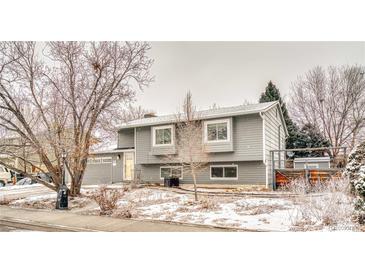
column 149, row 115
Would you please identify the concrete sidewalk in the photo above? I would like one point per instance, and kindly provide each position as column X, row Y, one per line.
column 65, row 221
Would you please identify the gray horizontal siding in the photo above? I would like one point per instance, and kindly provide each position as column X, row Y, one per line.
column 246, row 135
column 248, row 173
column 272, row 142
column 163, row 150
column 126, row 138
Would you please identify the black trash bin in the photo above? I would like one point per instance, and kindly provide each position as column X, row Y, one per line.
column 62, row 197
column 171, row 181
column 174, row 181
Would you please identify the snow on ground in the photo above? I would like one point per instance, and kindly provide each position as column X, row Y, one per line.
column 16, row 187
column 244, row 213
column 32, row 199
column 233, row 211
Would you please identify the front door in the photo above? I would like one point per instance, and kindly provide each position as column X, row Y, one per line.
column 128, row 166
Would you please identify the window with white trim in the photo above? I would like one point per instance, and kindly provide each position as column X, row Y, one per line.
column 217, row 130
column 171, row 171
column 223, row 172
column 163, row 135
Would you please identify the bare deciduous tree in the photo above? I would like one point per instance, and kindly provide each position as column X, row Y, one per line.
column 53, row 97
column 334, row 101
column 112, row 118
column 191, row 153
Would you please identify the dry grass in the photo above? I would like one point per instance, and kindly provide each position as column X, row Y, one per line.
column 208, row 203
column 5, row 201
column 50, row 203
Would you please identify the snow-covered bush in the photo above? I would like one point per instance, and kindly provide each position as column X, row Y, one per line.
column 355, row 170
column 359, row 182
column 323, row 204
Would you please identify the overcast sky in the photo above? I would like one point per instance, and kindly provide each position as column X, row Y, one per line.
column 228, row 73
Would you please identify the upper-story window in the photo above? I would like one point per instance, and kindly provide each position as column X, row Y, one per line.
column 163, row 135
column 217, row 130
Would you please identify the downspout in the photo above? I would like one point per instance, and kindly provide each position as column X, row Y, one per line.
column 264, row 148
column 263, row 137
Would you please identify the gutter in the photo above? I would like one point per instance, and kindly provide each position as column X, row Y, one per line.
column 212, row 116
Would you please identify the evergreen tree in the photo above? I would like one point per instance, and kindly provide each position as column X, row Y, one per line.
column 355, row 170
column 272, row 93
column 308, row 136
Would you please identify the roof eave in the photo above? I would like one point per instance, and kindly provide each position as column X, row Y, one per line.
column 213, row 116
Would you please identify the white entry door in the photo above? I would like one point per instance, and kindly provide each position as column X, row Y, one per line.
column 128, row 166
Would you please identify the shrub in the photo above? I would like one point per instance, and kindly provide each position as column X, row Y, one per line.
column 107, row 199
column 355, row 170
column 126, row 211
column 207, row 203
column 328, row 203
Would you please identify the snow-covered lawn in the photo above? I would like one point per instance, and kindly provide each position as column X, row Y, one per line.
column 236, row 212
column 247, row 213
column 233, row 211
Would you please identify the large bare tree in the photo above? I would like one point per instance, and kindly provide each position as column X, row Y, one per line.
column 334, row 101
column 191, row 153
column 111, row 119
column 53, row 96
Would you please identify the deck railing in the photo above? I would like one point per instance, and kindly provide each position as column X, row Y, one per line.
column 282, row 164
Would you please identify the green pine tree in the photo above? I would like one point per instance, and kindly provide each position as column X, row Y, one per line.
column 308, row 136
column 272, row 93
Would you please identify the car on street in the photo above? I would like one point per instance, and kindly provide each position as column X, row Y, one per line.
column 5, row 176
column 26, row 181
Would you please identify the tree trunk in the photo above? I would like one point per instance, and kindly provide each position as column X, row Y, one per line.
column 76, row 182
column 195, row 189
column 75, row 188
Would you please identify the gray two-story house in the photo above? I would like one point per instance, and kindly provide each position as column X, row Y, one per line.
column 238, row 140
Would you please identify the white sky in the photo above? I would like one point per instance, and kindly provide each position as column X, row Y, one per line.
column 228, row 73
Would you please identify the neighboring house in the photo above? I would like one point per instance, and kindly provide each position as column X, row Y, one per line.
column 312, row 163
column 7, row 152
column 238, row 139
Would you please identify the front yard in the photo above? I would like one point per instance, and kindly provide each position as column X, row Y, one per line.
column 241, row 211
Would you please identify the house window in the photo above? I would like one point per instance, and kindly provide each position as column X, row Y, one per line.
column 163, row 135
column 223, row 172
column 171, row 171
column 217, row 130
